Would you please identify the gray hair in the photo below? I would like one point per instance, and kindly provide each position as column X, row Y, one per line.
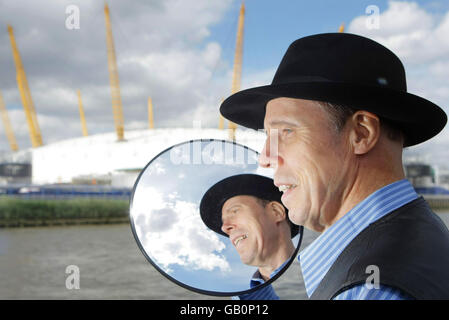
column 339, row 114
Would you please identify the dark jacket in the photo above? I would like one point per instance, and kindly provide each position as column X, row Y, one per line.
column 410, row 246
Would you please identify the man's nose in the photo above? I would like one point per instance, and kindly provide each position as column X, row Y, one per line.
column 269, row 157
column 227, row 227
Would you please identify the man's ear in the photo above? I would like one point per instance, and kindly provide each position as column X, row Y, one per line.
column 364, row 131
column 278, row 211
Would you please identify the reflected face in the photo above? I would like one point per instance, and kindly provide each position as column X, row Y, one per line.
column 309, row 162
column 250, row 227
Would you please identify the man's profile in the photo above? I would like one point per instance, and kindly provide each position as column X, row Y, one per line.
column 339, row 111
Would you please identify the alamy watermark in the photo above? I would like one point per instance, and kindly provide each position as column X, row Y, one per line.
column 373, row 17
column 73, row 279
column 373, row 280
column 202, row 152
column 72, row 21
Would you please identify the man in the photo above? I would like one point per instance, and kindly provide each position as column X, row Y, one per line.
column 338, row 115
column 247, row 208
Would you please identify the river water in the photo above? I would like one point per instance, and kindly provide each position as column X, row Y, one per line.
column 33, row 264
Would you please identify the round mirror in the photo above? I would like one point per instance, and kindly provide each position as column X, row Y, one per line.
column 199, row 248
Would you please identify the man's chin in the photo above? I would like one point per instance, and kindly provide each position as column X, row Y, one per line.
column 247, row 261
column 297, row 216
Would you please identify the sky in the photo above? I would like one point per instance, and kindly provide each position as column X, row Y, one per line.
column 180, row 53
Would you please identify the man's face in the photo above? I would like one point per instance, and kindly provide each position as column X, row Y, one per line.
column 310, row 160
column 250, row 228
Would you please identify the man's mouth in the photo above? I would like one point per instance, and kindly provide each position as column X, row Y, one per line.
column 286, row 187
column 237, row 240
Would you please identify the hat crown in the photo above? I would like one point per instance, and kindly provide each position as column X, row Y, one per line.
column 341, row 57
column 344, row 69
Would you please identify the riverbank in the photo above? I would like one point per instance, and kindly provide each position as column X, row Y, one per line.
column 22, row 212
column 17, row 212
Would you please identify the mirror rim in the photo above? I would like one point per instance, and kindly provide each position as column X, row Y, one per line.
column 186, row 286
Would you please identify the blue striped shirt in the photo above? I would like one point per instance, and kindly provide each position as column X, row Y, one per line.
column 320, row 255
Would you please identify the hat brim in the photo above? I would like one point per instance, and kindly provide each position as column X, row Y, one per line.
column 418, row 118
column 243, row 184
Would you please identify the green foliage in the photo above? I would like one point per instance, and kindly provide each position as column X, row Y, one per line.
column 15, row 211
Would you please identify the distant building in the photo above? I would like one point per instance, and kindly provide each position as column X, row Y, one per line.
column 15, row 173
column 443, row 179
column 425, row 179
column 101, row 159
column 420, row 174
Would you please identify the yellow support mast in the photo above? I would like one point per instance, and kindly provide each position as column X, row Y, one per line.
column 82, row 117
column 221, row 122
column 237, row 74
column 25, row 94
column 113, row 78
column 342, row 28
column 150, row 114
column 7, row 124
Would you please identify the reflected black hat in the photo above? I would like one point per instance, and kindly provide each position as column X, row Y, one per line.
column 346, row 69
column 238, row 185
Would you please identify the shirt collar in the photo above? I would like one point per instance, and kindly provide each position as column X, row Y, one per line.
column 319, row 256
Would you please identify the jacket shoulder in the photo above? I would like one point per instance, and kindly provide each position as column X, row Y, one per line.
column 408, row 247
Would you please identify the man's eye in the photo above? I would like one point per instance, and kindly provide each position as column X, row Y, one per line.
column 287, row 131
column 234, row 211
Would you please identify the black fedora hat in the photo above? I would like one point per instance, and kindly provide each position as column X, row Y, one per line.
column 346, row 69
column 238, row 185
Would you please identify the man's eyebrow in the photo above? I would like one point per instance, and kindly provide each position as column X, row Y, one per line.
column 233, row 206
column 225, row 212
column 281, row 122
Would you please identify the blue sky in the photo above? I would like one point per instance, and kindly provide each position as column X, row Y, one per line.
column 181, row 54
column 270, row 26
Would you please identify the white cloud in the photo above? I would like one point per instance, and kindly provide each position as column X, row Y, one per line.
column 403, row 27
column 172, row 232
column 259, row 78
column 400, row 17
column 162, row 48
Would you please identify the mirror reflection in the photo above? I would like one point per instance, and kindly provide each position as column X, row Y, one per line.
column 208, row 218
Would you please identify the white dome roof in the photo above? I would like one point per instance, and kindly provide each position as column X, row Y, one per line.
column 102, row 154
